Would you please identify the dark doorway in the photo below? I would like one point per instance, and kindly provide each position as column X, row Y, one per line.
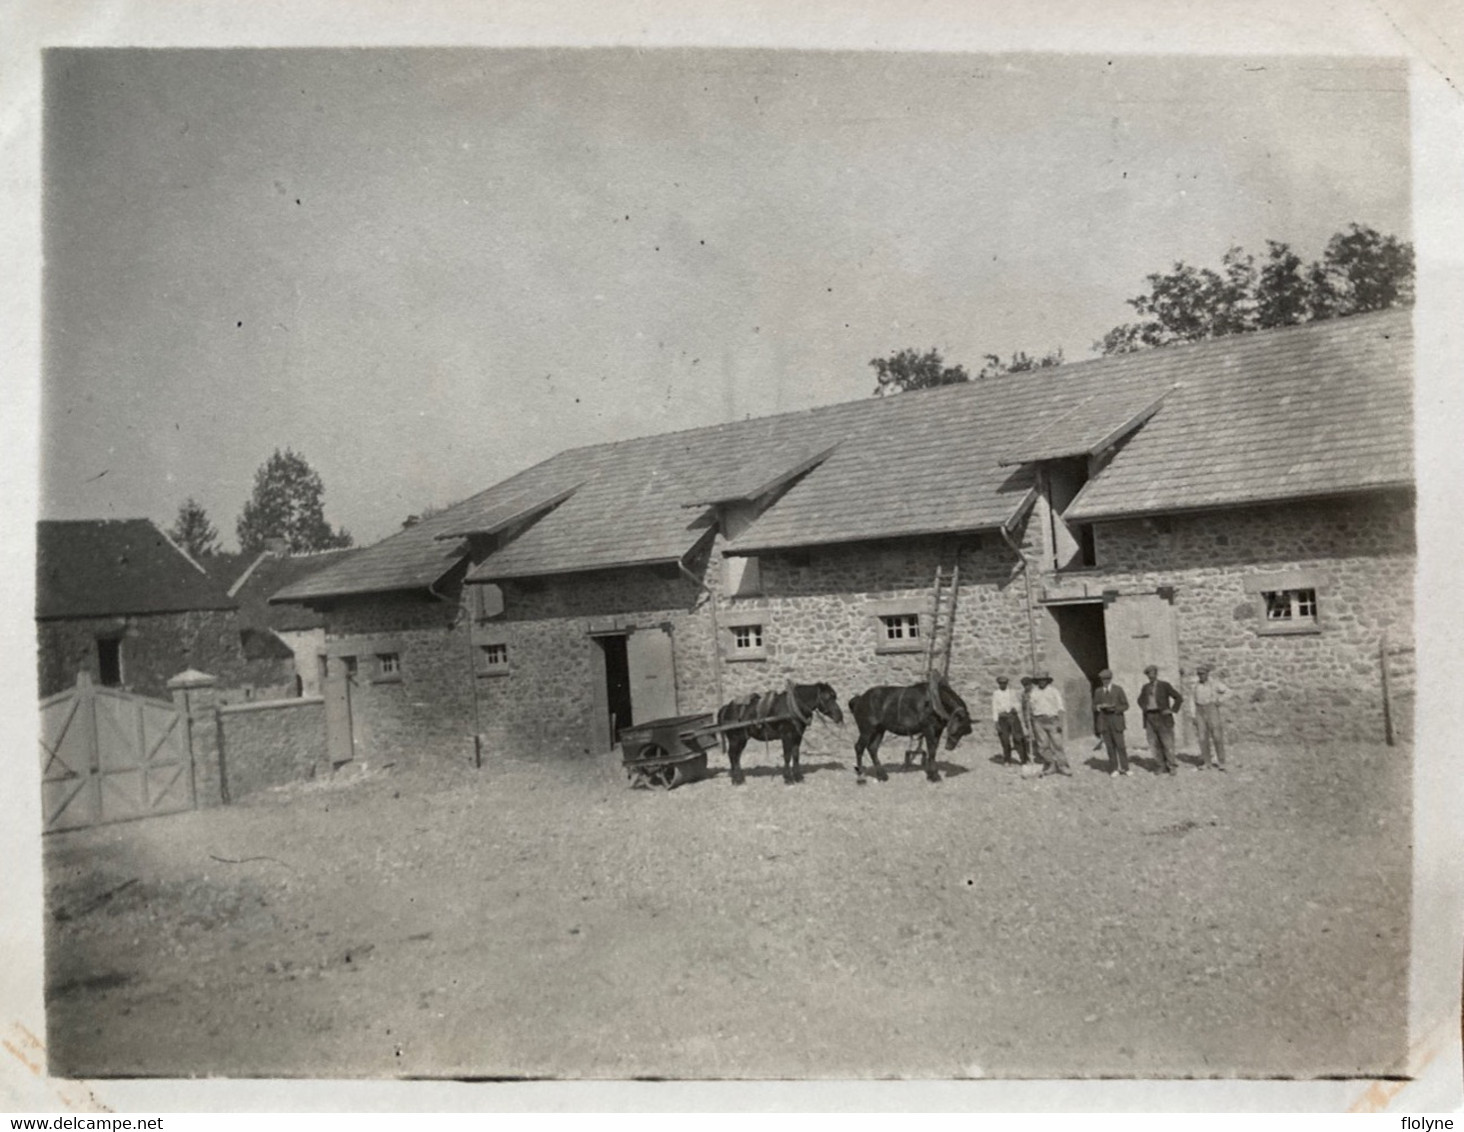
column 109, row 662
column 1081, row 653
column 617, row 684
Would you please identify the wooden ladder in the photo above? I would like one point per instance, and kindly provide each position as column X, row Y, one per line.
column 941, row 635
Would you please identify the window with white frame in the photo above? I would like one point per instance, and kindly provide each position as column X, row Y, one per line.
column 901, row 626
column 746, row 637
column 388, row 666
column 1291, row 607
column 493, row 658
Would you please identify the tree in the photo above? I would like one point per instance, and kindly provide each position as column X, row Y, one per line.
column 193, row 532
column 1021, row 362
column 907, row 371
column 288, row 503
column 1360, row 270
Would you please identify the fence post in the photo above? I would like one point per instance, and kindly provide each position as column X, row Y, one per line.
column 1388, row 735
column 196, row 694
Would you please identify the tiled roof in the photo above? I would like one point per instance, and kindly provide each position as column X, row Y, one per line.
column 115, row 567
column 270, row 573
column 498, row 514
column 748, row 482
column 1092, row 424
column 1271, row 415
column 1306, row 411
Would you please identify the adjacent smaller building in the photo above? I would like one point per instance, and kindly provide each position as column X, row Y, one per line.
column 119, row 600
column 289, row 637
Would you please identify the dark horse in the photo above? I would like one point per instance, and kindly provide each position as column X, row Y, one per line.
column 924, row 709
column 777, row 715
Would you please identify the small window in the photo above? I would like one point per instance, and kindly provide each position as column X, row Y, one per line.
column 901, row 626
column 109, row 662
column 351, row 666
column 1295, row 607
column 746, row 637
column 388, row 666
column 493, row 658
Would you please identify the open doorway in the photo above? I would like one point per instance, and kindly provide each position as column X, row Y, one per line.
column 617, row 685
column 1078, row 648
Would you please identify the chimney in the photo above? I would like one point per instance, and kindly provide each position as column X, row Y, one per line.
column 278, row 546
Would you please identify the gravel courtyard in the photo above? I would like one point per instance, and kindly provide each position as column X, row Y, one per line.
column 545, row 920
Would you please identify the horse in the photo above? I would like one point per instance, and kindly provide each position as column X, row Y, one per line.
column 777, row 715
column 924, row 709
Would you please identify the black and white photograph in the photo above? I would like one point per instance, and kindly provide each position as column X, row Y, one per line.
column 726, row 562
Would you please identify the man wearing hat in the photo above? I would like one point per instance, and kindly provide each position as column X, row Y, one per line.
column 1109, row 704
column 1208, row 696
column 1006, row 714
column 1047, row 713
column 1159, row 701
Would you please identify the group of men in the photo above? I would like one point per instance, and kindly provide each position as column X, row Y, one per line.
column 1029, row 723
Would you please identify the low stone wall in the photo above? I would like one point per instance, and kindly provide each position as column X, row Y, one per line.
column 269, row 743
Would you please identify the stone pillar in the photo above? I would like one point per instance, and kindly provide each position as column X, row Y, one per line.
column 196, row 696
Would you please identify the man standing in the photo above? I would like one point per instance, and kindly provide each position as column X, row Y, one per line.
column 1047, row 714
column 1109, row 704
column 1159, row 701
column 1209, row 695
column 1026, row 709
column 1006, row 714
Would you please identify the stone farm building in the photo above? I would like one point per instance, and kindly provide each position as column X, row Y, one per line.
column 1246, row 501
column 118, row 599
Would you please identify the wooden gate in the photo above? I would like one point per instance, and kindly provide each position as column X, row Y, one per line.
column 108, row 756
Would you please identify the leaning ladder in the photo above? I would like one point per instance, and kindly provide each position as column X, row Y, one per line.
column 942, row 634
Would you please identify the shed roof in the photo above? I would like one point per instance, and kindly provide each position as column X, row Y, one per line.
column 116, row 567
column 1316, row 409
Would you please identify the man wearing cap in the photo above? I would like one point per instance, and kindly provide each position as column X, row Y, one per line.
column 1006, row 714
column 1047, row 713
column 1109, row 704
column 1208, row 696
column 1159, row 701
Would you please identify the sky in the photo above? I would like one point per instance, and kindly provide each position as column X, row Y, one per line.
column 427, row 269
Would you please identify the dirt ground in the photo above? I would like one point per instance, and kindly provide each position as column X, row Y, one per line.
column 545, row 920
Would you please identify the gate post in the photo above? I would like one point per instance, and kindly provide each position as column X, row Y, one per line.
column 196, row 695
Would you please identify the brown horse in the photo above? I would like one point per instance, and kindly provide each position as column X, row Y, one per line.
column 924, row 709
column 777, row 715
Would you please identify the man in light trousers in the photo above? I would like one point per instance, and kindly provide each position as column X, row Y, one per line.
column 1047, row 716
column 1207, row 697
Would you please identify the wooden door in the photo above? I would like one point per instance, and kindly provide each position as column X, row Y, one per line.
column 650, row 657
column 1141, row 631
column 339, row 743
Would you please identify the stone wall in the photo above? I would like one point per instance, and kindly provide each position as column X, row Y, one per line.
column 1314, row 686
column 155, row 647
column 428, row 705
column 820, row 615
column 271, row 744
column 238, row 749
column 818, row 611
column 544, row 704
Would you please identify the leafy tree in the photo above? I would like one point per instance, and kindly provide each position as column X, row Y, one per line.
column 1021, row 362
column 907, row 371
column 193, row 532
column 288, row 503
column 1366, row 271
column 1360, row 270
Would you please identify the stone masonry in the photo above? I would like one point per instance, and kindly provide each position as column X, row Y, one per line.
column 819, row 616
